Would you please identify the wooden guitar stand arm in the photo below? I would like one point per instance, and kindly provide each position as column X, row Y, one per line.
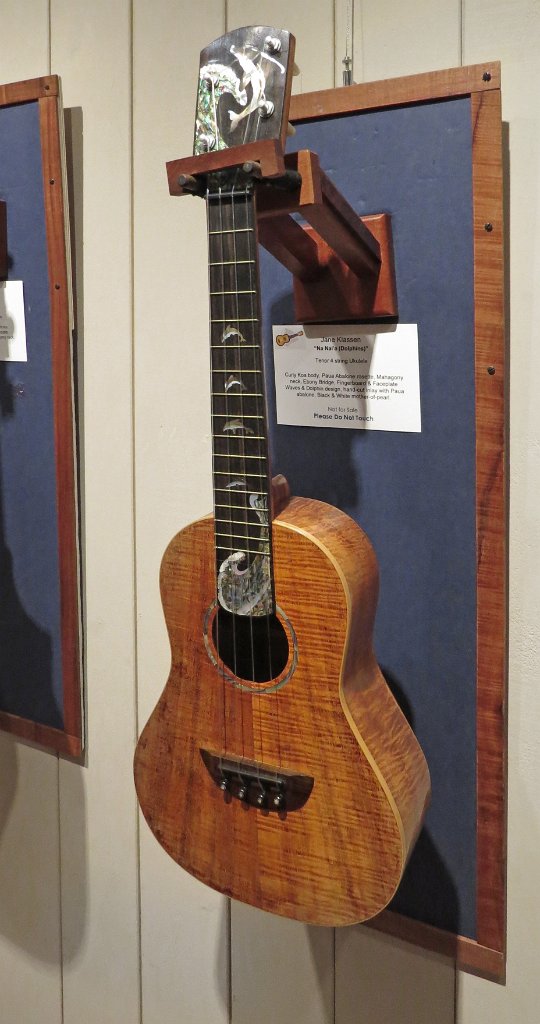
column 342, row 264
column 3, row 242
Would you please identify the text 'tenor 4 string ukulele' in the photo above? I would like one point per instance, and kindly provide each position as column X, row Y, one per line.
column 276, row 766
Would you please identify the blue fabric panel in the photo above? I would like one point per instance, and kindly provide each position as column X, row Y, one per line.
column 30, row 641
column 414, row 494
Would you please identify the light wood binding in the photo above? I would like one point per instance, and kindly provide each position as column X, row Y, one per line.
column 339, row 859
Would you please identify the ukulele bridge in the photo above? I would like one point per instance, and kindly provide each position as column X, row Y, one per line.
column 258, row 785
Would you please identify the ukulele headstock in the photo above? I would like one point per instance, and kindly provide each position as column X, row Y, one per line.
column 244, row 88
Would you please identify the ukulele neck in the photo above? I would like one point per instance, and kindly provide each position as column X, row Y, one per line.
column 241, row 470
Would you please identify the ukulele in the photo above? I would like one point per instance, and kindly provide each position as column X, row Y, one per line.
column 276, row 767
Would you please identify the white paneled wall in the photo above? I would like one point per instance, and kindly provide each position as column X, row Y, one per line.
column 97, row 925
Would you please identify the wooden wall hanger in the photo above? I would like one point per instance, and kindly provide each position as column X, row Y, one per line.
column 342, row 263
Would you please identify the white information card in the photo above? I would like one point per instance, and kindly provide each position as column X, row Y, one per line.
column 12, row 324
column 330, row 375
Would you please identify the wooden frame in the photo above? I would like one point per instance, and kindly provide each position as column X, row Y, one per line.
column 486, row 955
column 46, row 92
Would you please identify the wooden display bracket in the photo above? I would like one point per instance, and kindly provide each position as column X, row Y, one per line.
column 3, row 242
column 342, row 264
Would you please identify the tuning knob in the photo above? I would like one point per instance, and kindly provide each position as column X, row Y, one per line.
column 242, row 791
column 272, row 44
column 261, row 797
column 224, row 783
column 279, row 801
column 266, row 108
column 207, row 142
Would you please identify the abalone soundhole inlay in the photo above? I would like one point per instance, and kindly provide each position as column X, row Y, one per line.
column 253, row 648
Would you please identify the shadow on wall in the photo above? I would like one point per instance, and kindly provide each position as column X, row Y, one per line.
column 30, row 826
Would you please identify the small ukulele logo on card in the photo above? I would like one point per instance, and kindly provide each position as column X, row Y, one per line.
column 284, row 339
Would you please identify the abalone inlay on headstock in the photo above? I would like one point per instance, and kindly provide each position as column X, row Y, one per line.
column 242, row 84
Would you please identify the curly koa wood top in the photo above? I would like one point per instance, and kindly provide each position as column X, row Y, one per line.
column 326, row 720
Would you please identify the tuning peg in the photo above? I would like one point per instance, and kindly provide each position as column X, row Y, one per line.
column 291, row 130
column 266, row 108
column 272, row 44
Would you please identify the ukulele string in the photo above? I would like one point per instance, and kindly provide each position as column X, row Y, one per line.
column 220, row 669
column 234, row 339
column 241, row 442
column 256, row 338
column 251, row 254
column 263, row 453
column 255, row 284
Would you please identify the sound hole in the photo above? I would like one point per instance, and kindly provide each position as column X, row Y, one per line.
column 252, row 648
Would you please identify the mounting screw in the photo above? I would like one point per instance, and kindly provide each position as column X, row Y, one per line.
column 18, row 388
column 51, row 181
column 486, row 77
column 488, row 227
column 57, row 286
column 491, row 370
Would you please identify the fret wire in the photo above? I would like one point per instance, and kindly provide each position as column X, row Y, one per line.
column 229, row 231
column 219, row 455
column 239, row 536
column 238, row 490
column 231, row 369
column 248, row 291
column 261, row 476
column 228, row 263
column 246, row 415
column 234, row 320
column 232, row 549
column 239, row 394
column 240, row 437
column 241, row 522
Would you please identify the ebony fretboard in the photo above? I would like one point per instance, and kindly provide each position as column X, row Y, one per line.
column 240, row 446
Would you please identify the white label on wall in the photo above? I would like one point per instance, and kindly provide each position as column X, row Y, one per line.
column 12, row 325
column 331, row 375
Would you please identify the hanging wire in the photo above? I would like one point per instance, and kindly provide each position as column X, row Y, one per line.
column 348, row 60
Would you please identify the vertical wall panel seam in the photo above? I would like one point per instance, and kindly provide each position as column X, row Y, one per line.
column 362, row 55
column 49, row 36
column 60, row 901
column 461, row 30
column 134, row 491
column 334, row 30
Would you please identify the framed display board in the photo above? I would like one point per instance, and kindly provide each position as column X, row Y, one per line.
column 427, row 150
column 40, row 647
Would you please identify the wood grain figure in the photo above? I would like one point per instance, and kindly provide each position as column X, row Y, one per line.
column 339, row 858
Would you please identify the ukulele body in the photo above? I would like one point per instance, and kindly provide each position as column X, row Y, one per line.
column 328, row 721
